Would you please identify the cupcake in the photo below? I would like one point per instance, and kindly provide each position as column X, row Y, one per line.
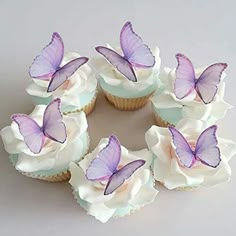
column 44, row 152
column 113, row 181
column 71, row 79
column 189, row 155
column 186, row 92
column 128, row 81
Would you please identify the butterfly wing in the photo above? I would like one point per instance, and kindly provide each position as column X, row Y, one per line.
column 122, row 65
column 53, row 126
column 206, row 148
column 185, row 77
column 65, row 72
column 105, row 165
column 207, row 84
column 119, row 177
column 48, row 62
column 31, row 132
column 183, row 150
column 135, row 51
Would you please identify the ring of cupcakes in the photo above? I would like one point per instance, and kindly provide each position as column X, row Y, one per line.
column 183, row 152
column 188, row 93
column 68, row 77
column 43, row 144
column 128, row 80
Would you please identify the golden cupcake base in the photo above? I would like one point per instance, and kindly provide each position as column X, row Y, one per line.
column 194, row 188
column 127, row 104
column 189, row 188
column 64, row 176
column 160, row 122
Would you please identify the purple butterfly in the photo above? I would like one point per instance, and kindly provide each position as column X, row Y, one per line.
column 35, row 135
column 206, row 150
column 206, row 85
column 104, row 167
column 46, row 66
column 136, row 53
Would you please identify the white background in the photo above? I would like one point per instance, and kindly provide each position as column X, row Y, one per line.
column 203, row 30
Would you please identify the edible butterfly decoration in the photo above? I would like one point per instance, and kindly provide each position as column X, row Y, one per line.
column 104, row 167
column 46, row 66
column 206, row 150
column 206, row 85
column 136, row 53
column 34, row 135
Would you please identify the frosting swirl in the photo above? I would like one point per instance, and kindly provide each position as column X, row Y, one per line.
column 136, row 192
column 146, row 77
column 54, row 155
column 81, row 83
column 169, row 171
column 191, row 106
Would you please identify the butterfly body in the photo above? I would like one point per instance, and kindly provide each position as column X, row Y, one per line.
column 106, row 166
column 206, row 85
column 135, row 53
column 35, row 135
column 47, row 66
column 206, row 150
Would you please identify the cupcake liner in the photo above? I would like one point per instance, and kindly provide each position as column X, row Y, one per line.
column 189, row 188
column 64, row 176
column 60, row 177
column 127, row 104
column 193, row 188
column 160, row 122
column 87, row 109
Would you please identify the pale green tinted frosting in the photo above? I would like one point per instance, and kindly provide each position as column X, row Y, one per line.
column 51, row 172
column 120, row 91
column 41, row 100
column 119, row 211
column 85, row 98
column 174, row 115
column 171, row 115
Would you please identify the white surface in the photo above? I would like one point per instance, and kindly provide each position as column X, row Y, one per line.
column 204, row 30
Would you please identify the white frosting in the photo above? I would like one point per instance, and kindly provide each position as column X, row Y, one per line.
column 145, row 76
column 192, row 106
column 82, row 81
column 169, row 171
column 54, row 155
column 136, row 192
